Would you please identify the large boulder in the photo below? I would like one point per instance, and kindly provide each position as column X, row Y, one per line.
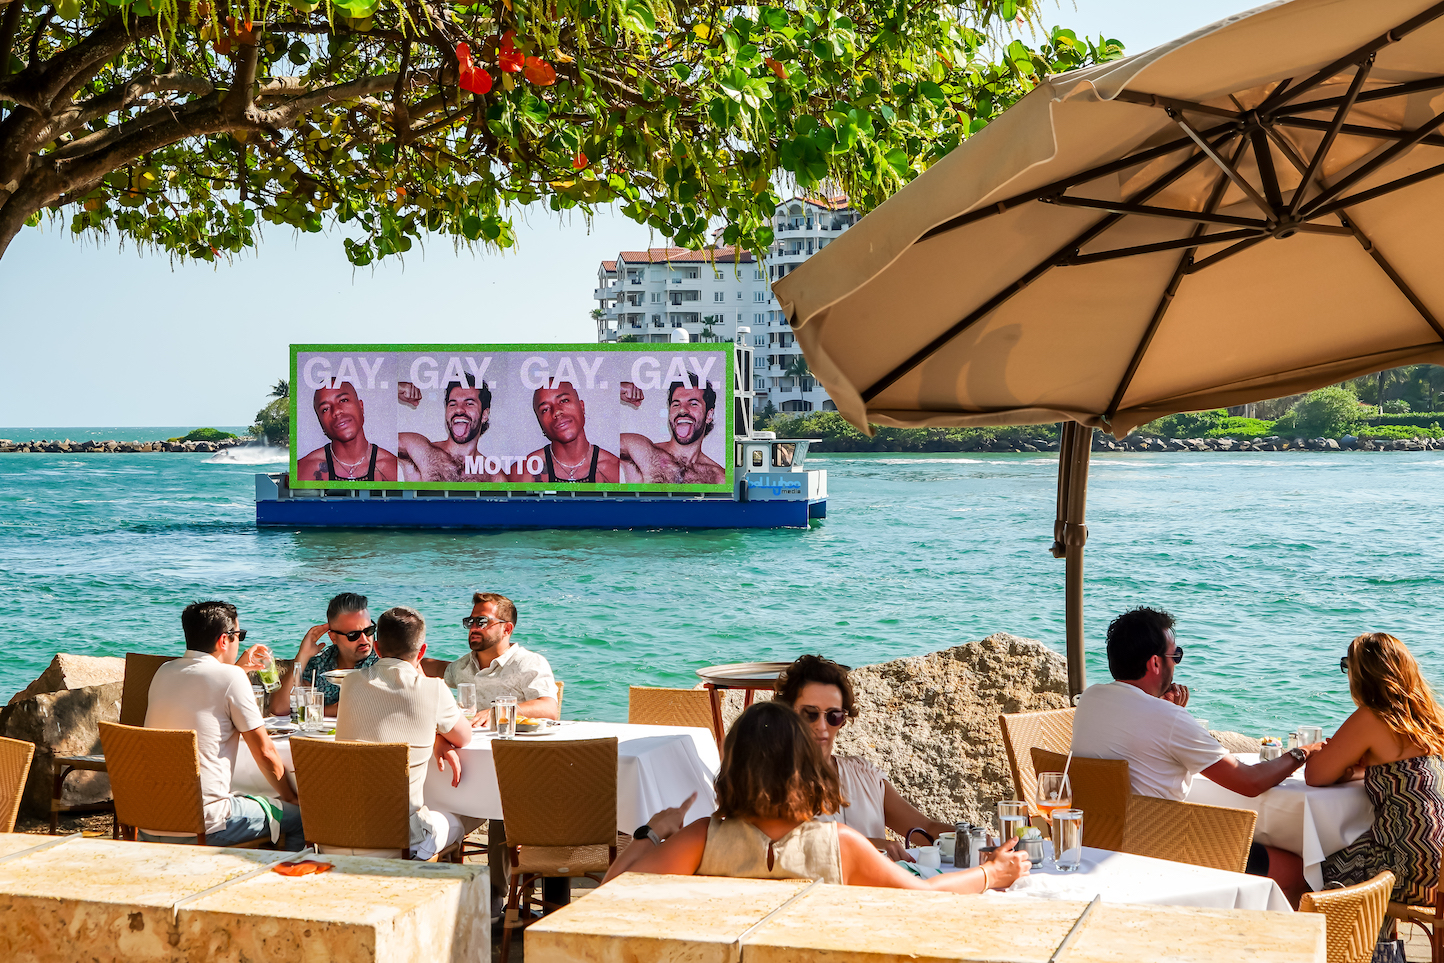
column 60, row 713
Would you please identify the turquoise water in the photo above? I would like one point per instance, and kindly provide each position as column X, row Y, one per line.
column 1271, row 562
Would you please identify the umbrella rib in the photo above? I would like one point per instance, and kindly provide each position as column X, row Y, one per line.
column 1263, row 157
column 1279, row 98
column 1384, row 157
column 1355, row 87
column 1383, row 189
column 1224, row 165
column 1173, row 103
column 1368, row 96
column 1227, row 252
column 1358, row 130
column 1183, row 242
column 1037, row 271
column 1058, row 186
column 1145, row 210
column 1180, row 271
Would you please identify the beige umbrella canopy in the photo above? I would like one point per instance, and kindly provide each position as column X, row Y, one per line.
column 1249, row 211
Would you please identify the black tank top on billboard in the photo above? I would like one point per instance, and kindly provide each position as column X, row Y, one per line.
column 370, row 469
column 591, row 476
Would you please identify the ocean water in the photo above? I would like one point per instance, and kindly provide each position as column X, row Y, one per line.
column 1271, row 563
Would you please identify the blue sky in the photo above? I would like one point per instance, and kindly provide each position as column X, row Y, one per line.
column 195, row 344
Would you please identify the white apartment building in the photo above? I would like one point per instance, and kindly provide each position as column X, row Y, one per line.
column 710, row 295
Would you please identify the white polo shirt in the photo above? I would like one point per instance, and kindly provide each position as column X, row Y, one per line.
column 520, row 673
column 198, row 691
column 1164, row 745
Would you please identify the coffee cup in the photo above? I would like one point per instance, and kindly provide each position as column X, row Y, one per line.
column 948, row 845
column 929, row 856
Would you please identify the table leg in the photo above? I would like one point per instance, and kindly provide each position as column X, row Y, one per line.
column 747, row 699
column 496, row 857
column 713, row 693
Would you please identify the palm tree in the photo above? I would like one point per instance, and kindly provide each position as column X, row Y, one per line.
column 797, row 368
column 281, row 389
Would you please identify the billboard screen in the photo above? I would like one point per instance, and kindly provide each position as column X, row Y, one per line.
column 609, row 417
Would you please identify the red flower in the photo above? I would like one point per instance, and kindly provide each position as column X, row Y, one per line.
column 539, row 72
column 508, row 58
column 476, row 81
column 580, row 161
column 776, row 68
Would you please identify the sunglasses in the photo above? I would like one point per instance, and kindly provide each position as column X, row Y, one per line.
column 1177, row 655
column 835, row 717
column 479, row 621
column 369, row 632
column 240, row 634
column 1344, row 665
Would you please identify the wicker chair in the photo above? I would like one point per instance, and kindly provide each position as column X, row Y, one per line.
column 1430, row 917
column 15, row 759
column 357, row 795
column 1185, row 832
column 1100, row 789
column 1051, row 729
column 670, row 707
column 559, row 803
column 140, row 670
column 1352, row 917
column 155, row 777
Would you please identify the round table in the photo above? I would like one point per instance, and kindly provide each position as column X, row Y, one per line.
column 750, row 676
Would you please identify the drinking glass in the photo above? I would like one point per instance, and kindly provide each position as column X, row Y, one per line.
column 315, row 709
column 1054, row 793
column 298, row 704
column 267, row 673
column 259, row 691
column 466, row 699
column 1068, row 840
column 503, row 716
column 1308, row 735
column 1012, row 818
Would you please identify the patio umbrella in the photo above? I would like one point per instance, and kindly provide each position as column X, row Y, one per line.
column 1247, row 212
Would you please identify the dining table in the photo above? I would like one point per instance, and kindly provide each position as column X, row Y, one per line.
column 1126, row 878
column 1312, row 821
column 657, row 767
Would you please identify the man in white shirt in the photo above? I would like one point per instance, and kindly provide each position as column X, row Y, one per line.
column 207, row 690
column 393, row 701
column 499, row 667
column 1138, row 717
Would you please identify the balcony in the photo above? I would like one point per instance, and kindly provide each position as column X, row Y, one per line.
column 606, row 293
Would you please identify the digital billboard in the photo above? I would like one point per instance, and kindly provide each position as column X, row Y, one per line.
column 608, row 417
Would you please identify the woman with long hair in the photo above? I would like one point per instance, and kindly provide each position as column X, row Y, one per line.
column 774, row 780
column 1393, row 742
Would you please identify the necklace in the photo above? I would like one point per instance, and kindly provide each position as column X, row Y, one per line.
column 351, row 466
column 571, row 469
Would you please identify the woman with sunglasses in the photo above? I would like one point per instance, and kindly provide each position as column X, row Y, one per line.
column 774, row 788
column 821, row 692
column 353, row 635
column 1393, row 742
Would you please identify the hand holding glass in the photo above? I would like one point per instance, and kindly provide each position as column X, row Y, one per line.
column 1012, row 818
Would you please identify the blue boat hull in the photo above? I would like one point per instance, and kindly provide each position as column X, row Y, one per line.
column 535, row 513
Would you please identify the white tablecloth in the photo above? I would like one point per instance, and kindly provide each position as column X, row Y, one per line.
column 1124, row 878
column 1313, row 821
column 657, row 767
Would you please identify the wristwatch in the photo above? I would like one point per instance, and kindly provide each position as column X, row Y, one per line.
column 1299, row 755
column 646, row 832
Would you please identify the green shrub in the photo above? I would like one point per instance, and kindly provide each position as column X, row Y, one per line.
column 208, row 434
column 1187, row 424
column 1396, row 407
column 1233, row 427
column 1400, row 432
column 1328, row 413
column 273, row 423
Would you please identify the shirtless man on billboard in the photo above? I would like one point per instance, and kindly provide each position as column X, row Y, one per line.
column 569, row 457
column 467, row 415
column 347, row 456
column 679, row 460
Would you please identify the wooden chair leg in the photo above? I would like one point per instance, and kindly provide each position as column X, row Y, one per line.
column 58, row 774
column 512, row 896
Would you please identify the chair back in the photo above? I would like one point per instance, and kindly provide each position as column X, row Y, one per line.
column 354, row 794
column 155, row 777
column 15, row 759
column 1214, row 836
column 140, row 671
column 557, row 793
column 670, row 707
column 1100, row 789
column 1022, row 731
column 1352, row 917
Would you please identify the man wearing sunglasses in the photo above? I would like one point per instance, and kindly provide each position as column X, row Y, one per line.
column 497, row 666
column 353, row 646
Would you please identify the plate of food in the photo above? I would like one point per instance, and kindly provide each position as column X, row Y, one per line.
column 336, row 675
column 528, row 726
column 278, row 727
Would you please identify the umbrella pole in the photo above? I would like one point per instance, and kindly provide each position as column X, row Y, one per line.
column 1070, row 533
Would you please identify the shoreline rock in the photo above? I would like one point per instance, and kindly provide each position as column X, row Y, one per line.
column 1150, row 444
column 89, row 446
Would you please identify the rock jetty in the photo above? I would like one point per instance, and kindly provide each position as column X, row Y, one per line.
column 1149, row 443
column 69, row 447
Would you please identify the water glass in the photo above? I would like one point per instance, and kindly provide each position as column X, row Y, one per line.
column 466, row 699
column 503, row 717
column 314, row 709
column 1308, row 735
column 259, row 691
column 1068, row 840
column 1012, row 818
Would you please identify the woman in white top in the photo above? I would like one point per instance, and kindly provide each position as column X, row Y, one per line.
column 774, row 780
column 821, row 693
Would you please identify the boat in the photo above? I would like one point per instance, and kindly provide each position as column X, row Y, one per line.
column 767, row 484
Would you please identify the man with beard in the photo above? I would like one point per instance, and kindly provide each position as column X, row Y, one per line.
column 570, row 457
column 467, row 415
column 690, row 410
column 348, row 456
column 348, row 624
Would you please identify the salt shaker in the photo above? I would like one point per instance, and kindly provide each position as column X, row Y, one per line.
column 977, row 842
